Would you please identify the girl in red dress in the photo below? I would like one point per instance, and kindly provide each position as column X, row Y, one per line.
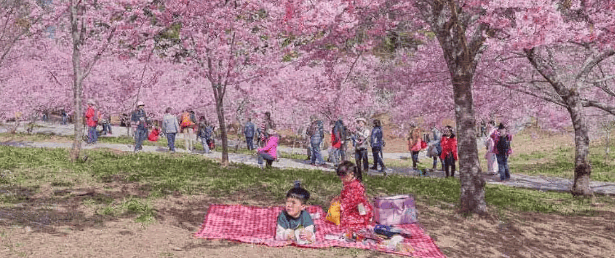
column 356, row 210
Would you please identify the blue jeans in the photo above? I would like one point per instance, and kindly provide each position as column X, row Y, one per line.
column 334, row 156
column 503, row 166
column 316, row 158
column 361, row 155
column 107, row 128
column 64, row 120
column 140, row 136
column 249, row 141
column 92, row 135
column 377, row 152
column 171, row 141
column 265, row 156
column 415, row 158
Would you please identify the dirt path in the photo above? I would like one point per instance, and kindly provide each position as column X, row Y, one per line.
column 72, row 230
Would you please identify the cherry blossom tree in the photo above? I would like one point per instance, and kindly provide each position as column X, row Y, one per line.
column 18, row 20
column 87, row 30
column 461, row 35
column 226, row 42
column 564, row 47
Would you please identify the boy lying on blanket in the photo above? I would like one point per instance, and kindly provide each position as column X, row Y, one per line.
column 294, row 223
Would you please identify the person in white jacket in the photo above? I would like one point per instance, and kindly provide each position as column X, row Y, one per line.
column 361, row 142
column 492, row 162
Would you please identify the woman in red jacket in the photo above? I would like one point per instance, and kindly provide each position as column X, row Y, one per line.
column 449, row 150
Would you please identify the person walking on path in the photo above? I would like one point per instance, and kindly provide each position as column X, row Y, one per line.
column 92, row 121
column 377, row 143
column 269, row 152
column 492, row 161
column 187, row 126
column 204, row 134
column 249, row 131
column 306, row 137
column 139, row 117
column 64, row 117
column 170, row 127
column 435, row 149
column 502, row 149
column 449, row 150
column 337, row 141
column 105, row 121
column 415, row 145
column 361, row 139
column 316, row 134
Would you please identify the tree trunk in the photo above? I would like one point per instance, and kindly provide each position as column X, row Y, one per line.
column 77, row 85
column 606, row 144
column 582, row 167
column 223, row 134
column 470, row 174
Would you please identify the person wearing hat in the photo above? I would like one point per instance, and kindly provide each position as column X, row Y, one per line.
column 361, row 138
column 139, row 117
column 502, row 150
column 92, row 121
column 270, row 151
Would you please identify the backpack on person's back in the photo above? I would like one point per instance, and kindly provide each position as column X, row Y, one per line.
column 503, row 145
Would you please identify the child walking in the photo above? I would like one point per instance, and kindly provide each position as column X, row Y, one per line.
column 204, row 134
column 294, row 223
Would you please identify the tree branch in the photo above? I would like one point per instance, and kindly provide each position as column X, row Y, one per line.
column 596, row 104
column 98, row 55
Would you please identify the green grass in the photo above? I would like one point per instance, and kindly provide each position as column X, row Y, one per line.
column 560, row 163
column 163, row 174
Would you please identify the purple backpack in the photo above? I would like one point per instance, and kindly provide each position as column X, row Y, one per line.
column 394, row 210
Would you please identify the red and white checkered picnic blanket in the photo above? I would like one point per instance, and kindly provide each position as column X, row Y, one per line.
column 257, row 225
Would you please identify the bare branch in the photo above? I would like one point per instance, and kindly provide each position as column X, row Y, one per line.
column 98, row 55
column 596, row 104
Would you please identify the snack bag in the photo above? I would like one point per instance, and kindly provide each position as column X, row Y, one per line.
column 334, row 213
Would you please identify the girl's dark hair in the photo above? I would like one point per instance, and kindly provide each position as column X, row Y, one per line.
column 298, row 193
column 202, row 118
column 450, row 128
column 347, row 167
column 377, row 123
column 168, row 110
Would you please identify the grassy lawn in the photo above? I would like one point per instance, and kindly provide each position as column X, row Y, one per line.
column 160, row 175
column 145, row 197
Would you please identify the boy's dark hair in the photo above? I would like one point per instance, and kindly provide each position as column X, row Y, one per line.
column 501, row 126
column 168, row 110
column 347, row 167
column 202, row 118
column 298, row 193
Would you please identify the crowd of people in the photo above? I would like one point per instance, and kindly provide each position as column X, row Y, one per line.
column 442, row 147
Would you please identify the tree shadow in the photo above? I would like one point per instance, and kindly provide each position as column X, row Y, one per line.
column 522, row 234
